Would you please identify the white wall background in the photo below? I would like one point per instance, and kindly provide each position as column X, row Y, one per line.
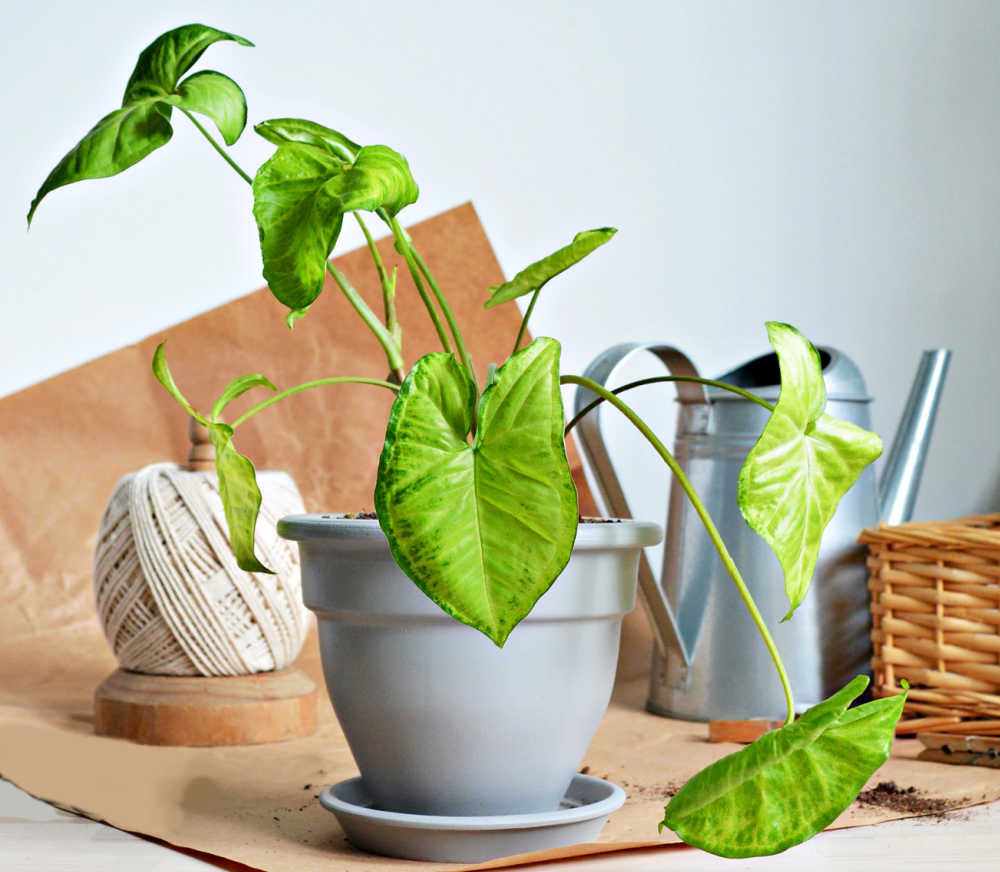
column 830, row 164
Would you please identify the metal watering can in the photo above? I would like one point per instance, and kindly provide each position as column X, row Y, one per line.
column 709, row 661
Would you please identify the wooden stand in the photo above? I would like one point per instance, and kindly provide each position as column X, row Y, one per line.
column 182, row 710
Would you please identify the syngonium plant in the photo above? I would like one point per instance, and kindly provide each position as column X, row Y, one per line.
column 473, row 491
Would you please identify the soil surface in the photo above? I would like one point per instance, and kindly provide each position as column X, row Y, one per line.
column 889, row 795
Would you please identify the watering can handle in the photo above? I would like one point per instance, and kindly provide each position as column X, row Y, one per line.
column 661, row 616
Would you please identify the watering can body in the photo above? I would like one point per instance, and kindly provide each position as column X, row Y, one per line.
column 710, row 661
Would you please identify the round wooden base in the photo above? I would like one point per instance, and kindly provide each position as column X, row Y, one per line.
column 182, row 710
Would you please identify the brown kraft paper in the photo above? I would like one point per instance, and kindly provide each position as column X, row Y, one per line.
column 65, row 442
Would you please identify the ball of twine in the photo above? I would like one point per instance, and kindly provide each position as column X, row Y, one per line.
column 170, row 595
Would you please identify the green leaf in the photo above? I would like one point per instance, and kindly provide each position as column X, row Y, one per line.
column 165, row 378
column 283, row 130
column 534, row 277
column 240, row 496
column 301, row 195
column 790, row 783
column 162, row 63
column 297, row 223
column 802, row 464
column 125, row 136
column 482, row 528
column 236, row 388
column 216, row 96
column 119, row 140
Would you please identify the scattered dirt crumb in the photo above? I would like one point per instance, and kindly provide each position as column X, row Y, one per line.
column 307, row 787
column 889, row 795
column 660, row 792
column 362, row 516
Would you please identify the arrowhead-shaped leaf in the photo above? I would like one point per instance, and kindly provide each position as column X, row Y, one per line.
column 162, row 63
column 300, row 198
column 237, row 478
column 802, row 464
column 142, row 124
column 240, row 496
column 217, row 96
column 166, row 378
column 283, row 130
column 790, row 783
column 533, row 277
column 236, row 388
column 483, row 528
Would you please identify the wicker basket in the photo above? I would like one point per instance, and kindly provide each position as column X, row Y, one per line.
column 936, row 621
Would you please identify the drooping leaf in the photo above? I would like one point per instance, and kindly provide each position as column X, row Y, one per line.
column 301, row 195
column 165, row 378
column 802, row 464
column 236, row 388
column 482, row 528
column 240, row 496
column 297, row 223
column 790, row 783
column 125, row 136
column 282, row 130
column 217, row 96
column 533, row 277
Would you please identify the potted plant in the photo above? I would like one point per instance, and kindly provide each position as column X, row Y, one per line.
column 476, row 510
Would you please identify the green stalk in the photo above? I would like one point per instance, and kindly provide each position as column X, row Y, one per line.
column 385, row 338
column 706, row 519
column 216, row 146
column 403, row 247
column 388, row 287
column 311, row 384
column 668, row 378
column 524, row 320
column 452, row 323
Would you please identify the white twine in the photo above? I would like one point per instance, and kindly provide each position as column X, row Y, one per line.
column 170, row 596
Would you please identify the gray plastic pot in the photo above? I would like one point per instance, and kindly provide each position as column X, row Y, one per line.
column 440, row 721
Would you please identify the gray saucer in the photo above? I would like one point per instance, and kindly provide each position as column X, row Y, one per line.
column 588, row 803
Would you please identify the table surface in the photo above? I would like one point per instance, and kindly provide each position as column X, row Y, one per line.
column 37, row 836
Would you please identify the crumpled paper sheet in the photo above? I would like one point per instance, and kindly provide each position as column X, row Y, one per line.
column 65, row 442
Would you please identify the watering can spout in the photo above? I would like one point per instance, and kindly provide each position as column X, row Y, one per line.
column 897, row 488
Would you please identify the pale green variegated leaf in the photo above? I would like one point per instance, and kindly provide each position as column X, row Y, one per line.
column 297, row 222
column 217, row 96
column 125, row 136
column 802, row 464
column 533, row 277
column 282, row 130
column 165, row 378
column 240, row 496
column 790, row 783
column 301, row 195
column 236, row 388
column 482, row 528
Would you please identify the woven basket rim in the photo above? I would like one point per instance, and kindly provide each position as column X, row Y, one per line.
column 977, row 530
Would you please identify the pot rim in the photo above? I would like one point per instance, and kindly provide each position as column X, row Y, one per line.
column 612, row 533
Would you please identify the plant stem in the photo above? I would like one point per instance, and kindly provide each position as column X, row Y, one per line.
column 452, row 323
column 312, row 384
column 403, row 247
column 669, row 378
column 216, row 146
column 385, row 338
column 524, row 321
column 388, row 287
column 706, row 519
